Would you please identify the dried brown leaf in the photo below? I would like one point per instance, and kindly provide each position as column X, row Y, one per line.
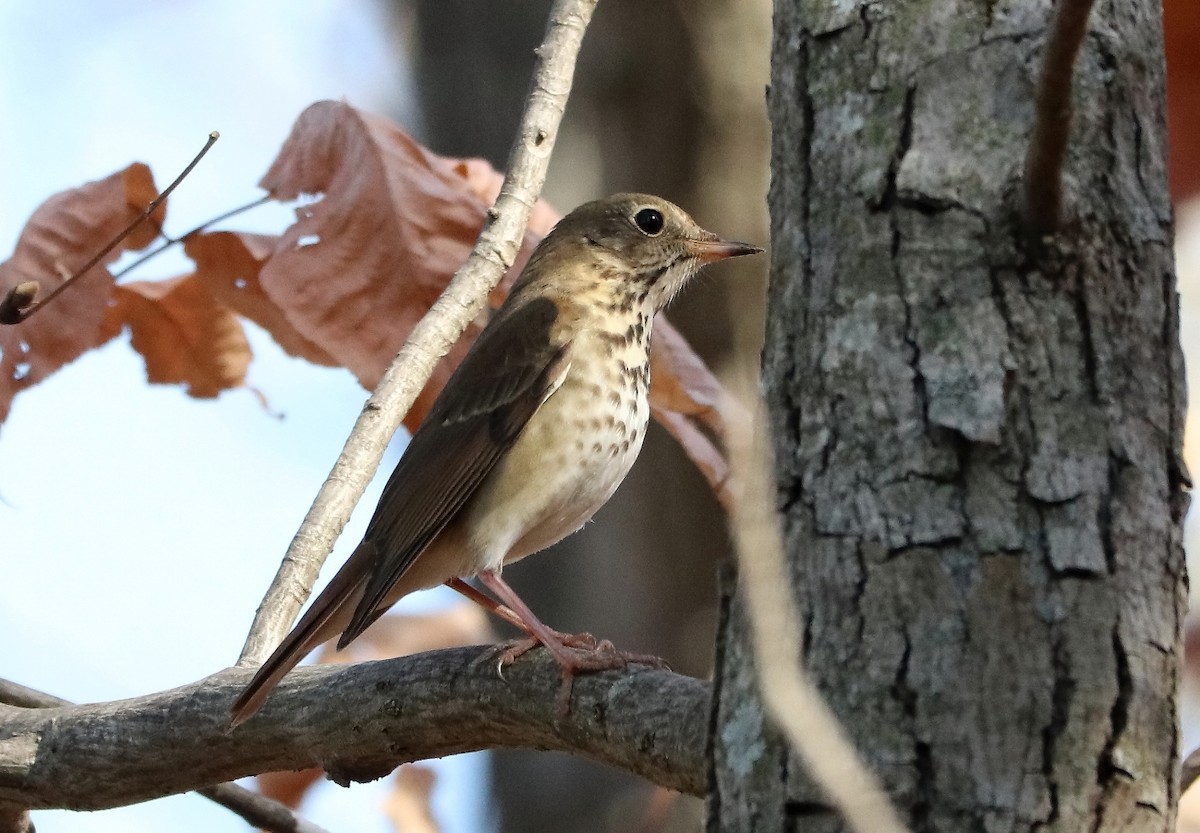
column 700, row 450
column 399, row 634
column 289, row 788
column 228, row 264
column 680, row 381
column 63, row 233
column 185, row 336
column 394, row 635
column 409, row 805
column 364, row 263
column 361, row 266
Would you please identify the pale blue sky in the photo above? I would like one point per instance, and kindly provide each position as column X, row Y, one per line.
column 141, row 527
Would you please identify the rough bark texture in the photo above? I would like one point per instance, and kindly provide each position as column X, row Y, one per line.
column 357, row 722
column 977, row 441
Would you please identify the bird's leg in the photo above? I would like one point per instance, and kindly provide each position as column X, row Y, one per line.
column 487, row 603
column 582, row 641
column 600, row 656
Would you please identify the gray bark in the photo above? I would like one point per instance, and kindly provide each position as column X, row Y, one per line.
column 357, row 722
column 977, row 440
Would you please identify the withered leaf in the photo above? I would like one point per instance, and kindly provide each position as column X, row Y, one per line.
column 344, row 285
column 364, row 263
column 185, row 336
column 400, row 634
column 409, row 805
column 394, row 635
column 289, row 788
column 62, row 235
column 228, row 264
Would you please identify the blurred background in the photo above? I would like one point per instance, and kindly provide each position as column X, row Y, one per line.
column 141, row 527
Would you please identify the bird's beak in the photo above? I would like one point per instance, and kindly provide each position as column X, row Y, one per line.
column 710, row 248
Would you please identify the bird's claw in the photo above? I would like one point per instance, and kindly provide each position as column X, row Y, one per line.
column 575, row 654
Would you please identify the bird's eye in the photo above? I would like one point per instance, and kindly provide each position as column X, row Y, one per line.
column 649, row 221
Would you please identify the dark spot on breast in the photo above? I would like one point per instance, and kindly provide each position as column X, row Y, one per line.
column 615, row 398
column 597, row 448
column 624, row 445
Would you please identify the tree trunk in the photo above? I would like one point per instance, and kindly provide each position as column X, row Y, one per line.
column 978, row 442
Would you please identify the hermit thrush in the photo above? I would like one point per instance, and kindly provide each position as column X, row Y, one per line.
column 531, row 435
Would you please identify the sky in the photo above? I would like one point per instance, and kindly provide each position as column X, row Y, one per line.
column 141, row 527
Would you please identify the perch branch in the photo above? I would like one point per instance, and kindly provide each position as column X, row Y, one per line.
column 787, row 691
column 358, row 722
column 1052, row 118
column 255, row 809
column 464, row 298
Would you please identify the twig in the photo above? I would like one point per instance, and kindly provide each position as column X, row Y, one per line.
column 174, row 241
column 357, row 721
column 1052, row 119
column 255, row 809
column 464, row 298
column 1189, row 771
column 15, row 694
column 787, row 691
column 30, row 309
column 258, row 810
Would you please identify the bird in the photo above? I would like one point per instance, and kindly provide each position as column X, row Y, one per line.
column 533, row 432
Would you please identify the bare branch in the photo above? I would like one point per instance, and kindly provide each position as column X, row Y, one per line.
column 15, row 694
column 168, row 242
column 358, row 722
column 464, row 298
column 11, row 302
column 787, row 691
column 1189, row 771
column 1052, row 120
column 256, row 809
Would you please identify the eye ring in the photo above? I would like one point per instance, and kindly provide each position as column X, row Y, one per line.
column 649, row 221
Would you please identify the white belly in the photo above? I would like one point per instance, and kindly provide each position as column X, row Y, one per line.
column 566, row 464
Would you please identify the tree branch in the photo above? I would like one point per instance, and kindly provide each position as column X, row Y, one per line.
column 464, row 298
column 1189, row 771
column 358, row 722
column 1052, row 120
column 254, row 808
column 258, row 810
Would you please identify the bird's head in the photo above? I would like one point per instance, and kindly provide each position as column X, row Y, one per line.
column 640, row 248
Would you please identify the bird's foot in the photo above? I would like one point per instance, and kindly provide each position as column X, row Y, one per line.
column 575, row 654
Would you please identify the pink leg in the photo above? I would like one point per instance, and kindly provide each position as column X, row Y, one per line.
column 589, row 655
column 487, row 603
column 583, row 641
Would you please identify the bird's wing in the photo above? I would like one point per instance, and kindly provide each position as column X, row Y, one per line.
column 504, row 379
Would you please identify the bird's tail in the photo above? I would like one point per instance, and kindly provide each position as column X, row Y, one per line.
column 323, row 620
